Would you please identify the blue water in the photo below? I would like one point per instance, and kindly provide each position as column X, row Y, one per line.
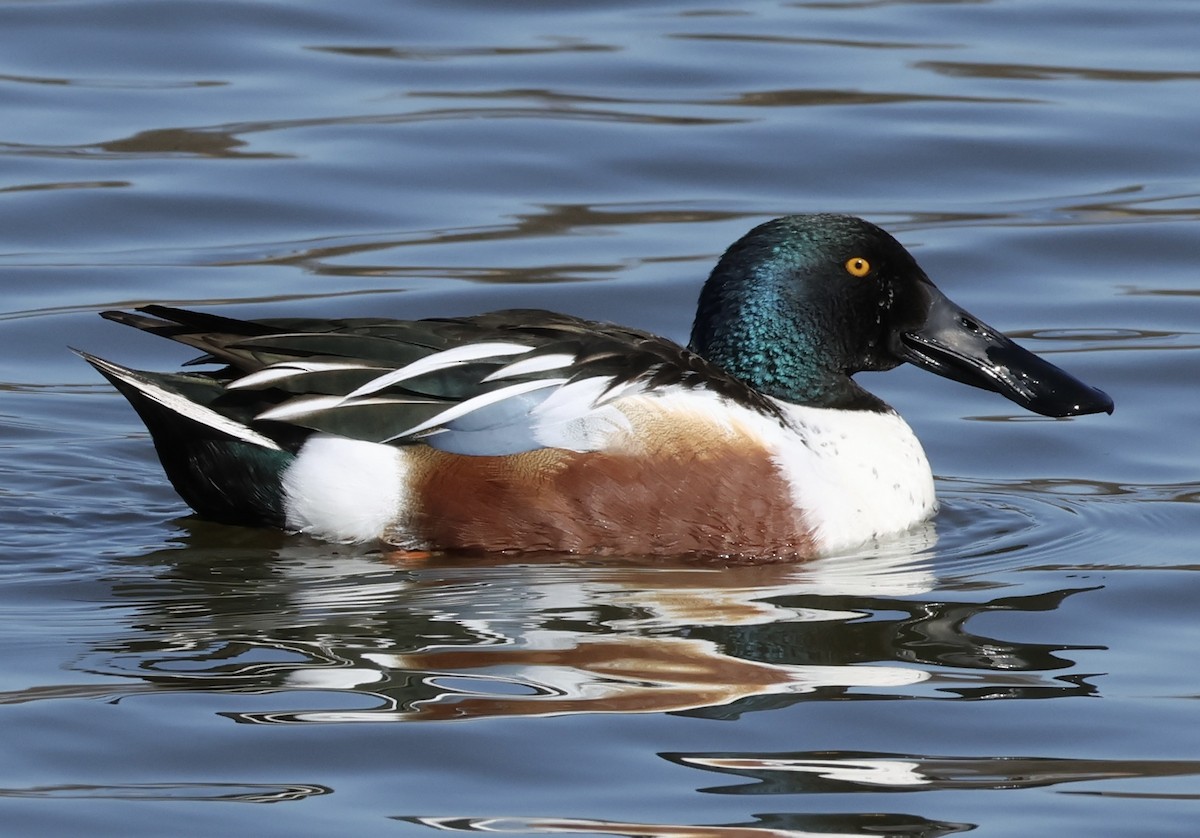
column 1022, row 666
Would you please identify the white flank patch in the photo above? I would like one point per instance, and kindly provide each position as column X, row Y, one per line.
column 344, row 490
column 179, row 404
column 445, row 359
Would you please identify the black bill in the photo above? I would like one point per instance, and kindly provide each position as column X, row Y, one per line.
column 959, row 346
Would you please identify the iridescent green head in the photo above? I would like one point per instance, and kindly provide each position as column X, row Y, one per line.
column 799, row 304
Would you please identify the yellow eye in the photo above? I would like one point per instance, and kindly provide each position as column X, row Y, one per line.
column 858, row 266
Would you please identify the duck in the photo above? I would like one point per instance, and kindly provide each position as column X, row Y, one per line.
column 526, row 431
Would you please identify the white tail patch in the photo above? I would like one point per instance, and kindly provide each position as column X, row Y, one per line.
column 446, row 359
column 343, row 489
column 179, row 404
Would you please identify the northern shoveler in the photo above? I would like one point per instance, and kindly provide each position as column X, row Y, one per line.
column 527, row 430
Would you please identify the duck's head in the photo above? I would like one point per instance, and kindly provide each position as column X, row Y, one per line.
column 801, row 303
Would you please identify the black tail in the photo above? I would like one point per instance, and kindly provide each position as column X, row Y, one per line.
column 222, row 468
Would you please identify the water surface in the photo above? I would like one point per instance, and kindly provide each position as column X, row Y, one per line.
column 1022, row 666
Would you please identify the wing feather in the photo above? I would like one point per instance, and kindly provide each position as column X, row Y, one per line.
column 490, row 384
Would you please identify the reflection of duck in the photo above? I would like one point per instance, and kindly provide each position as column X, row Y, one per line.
column 325, row 636
column 527, row 430
column 787, row 825
column 620, row 674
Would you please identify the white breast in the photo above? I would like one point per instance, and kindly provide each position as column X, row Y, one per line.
column 859, row 475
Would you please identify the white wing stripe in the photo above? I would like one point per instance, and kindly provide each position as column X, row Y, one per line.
column 478, row 402
column 538, row 363
column 287, row 369
column 438, row 361
column 185, row 407
column 308, row 405
column 300, row 407
column 268, row 375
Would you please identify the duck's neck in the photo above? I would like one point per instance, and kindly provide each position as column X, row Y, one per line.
column 743, row 326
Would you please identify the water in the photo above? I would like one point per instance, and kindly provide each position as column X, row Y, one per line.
column 1024, row 666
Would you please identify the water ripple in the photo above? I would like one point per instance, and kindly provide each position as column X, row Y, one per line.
column 179, row 792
